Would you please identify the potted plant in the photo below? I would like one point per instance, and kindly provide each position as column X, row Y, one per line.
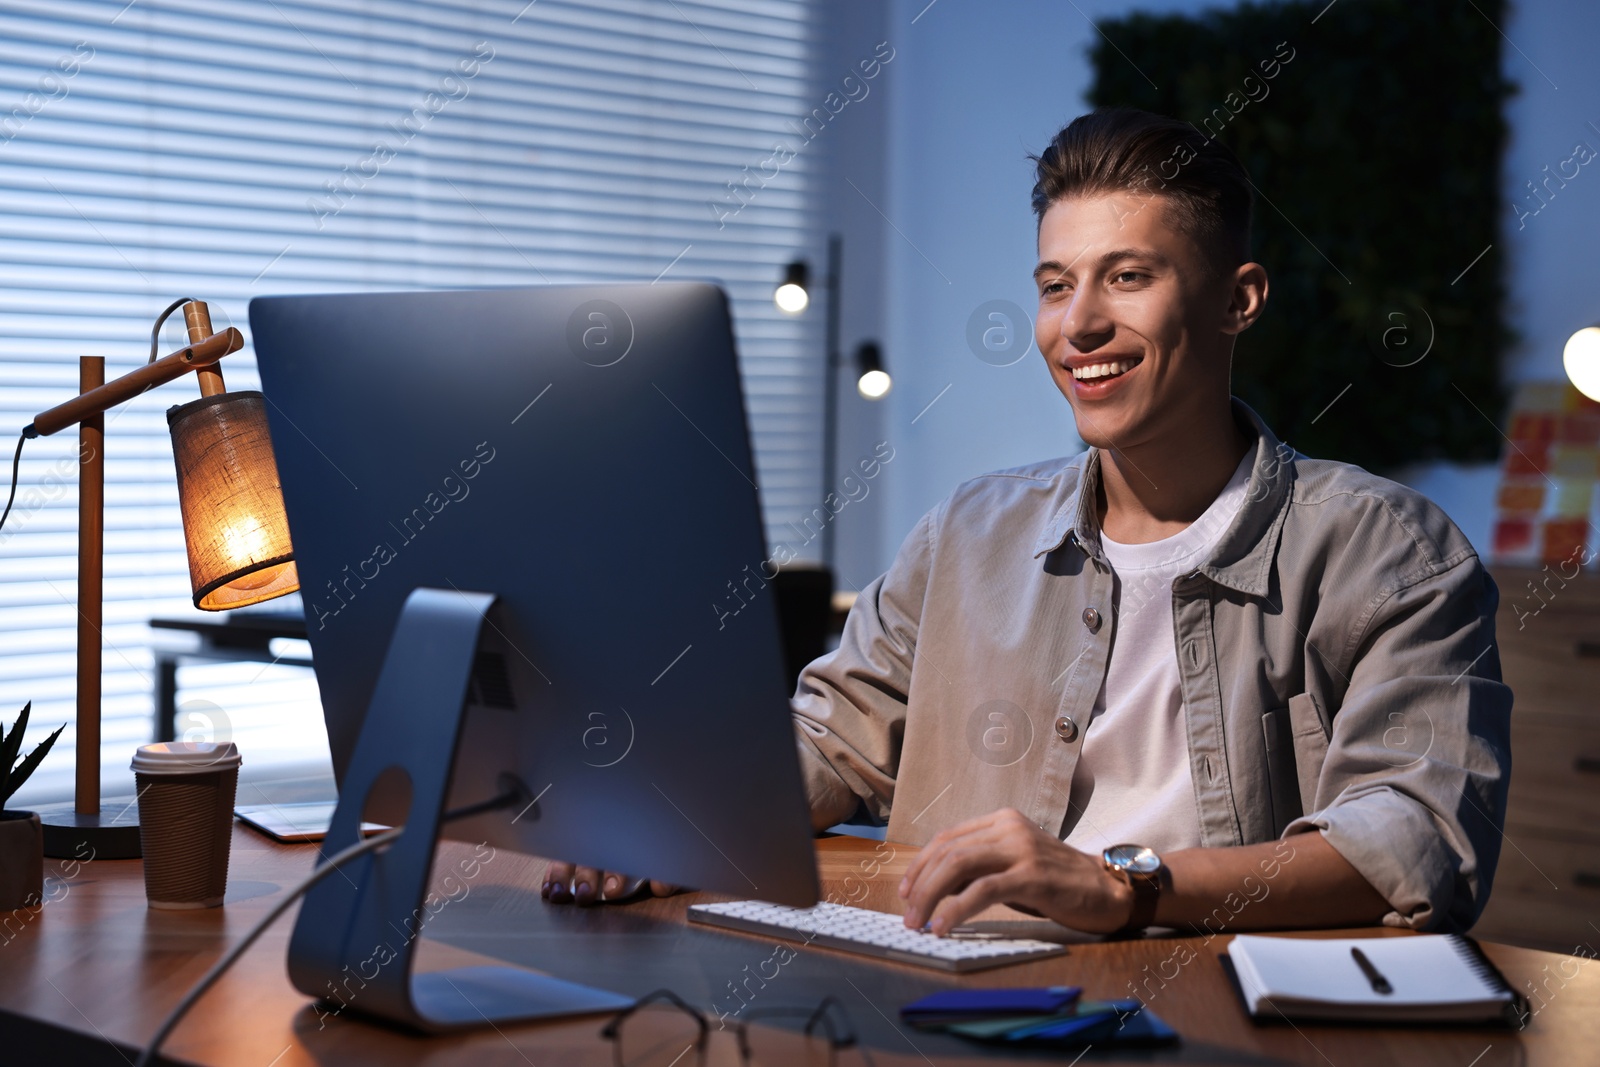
column 21, row 837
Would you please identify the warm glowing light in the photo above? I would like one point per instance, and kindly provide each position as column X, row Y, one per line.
column 1582, row 360
column 233, row 519
column 791, row 298
column 874, row 385
column 265, row 578
column 245, row 542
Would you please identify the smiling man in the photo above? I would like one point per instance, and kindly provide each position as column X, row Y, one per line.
column 1188, row 677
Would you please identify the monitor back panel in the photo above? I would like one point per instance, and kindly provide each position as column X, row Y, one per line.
column 582, row 452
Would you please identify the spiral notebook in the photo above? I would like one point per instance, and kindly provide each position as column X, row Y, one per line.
column 1429, row 978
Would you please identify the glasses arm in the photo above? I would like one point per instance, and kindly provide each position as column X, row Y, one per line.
column 611, row 1028
column 844, row 1040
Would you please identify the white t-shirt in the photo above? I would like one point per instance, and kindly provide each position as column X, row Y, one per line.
column 1132, row 784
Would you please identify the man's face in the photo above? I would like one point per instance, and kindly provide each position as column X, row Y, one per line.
column 1131, row 322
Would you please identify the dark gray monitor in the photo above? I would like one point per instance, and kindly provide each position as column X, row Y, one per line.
column 581, row 452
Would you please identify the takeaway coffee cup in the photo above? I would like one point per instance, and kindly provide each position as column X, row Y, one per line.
column 186, row 791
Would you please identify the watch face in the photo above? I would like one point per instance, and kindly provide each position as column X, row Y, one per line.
column 1136, row 859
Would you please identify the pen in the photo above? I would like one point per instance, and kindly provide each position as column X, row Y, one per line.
column 1380, row 984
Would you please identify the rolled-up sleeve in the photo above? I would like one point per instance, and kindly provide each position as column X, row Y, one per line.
column 850, row 705
column 1413, row 790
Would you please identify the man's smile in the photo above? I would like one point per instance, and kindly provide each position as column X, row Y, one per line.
column 1092, row 368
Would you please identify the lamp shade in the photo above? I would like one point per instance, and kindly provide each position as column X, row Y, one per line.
column 233, row 518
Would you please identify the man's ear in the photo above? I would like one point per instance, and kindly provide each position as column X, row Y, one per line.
column 1247, row 297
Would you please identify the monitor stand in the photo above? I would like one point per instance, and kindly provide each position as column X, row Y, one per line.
column 355, row 939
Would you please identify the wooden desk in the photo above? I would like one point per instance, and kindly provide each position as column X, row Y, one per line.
column 94, row 966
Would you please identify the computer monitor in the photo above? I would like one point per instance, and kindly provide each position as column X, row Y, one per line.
column 580, row 454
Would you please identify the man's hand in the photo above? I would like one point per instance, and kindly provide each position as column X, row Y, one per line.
column 565, row 883
column 1002, row 858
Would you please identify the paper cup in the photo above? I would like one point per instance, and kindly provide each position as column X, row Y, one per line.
column 186, row 792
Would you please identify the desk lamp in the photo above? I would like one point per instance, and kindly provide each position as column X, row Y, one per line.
column 233, row 522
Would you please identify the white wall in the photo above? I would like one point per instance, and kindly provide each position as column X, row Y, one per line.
column 855, row 197
column 977, row 86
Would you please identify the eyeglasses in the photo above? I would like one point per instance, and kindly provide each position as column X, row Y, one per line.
column 661, row 1030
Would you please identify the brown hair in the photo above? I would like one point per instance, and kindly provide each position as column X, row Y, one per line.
column 1207, row 192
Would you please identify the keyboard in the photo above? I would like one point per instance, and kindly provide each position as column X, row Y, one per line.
column 872, row 933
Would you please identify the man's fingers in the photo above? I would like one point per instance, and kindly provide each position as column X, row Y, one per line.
column 566, row 883
column 586, row 885
column 955, row 910
column 950, row 873
column 950, row 866
column 936, row 849
column 557, row 882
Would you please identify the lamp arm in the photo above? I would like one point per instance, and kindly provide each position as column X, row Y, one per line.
column 174, row 365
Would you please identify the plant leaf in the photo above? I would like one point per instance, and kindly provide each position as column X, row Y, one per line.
column 13, row 743
column 20, row 775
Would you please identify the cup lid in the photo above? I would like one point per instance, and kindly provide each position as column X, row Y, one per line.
column 185, row 757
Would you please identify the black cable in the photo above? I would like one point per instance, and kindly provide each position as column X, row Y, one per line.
column 155, row 331
column 217, row 970
column 508, row 797
column 16, row 462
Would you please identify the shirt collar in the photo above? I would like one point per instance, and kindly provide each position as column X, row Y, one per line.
column 1242, row 558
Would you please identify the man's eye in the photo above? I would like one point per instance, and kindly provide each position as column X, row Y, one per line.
column 1053, row 288
column 1129, row 276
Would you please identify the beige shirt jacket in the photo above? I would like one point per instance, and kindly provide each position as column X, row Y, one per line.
column 1337, row 657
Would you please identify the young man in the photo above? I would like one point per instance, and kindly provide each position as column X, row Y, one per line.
column 1189, row 677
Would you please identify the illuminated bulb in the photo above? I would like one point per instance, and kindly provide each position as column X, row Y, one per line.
column 874, row 384
column 244, row 544
column 1581, row 358
column 791, row 298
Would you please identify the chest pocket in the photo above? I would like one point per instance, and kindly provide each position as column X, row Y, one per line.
column 1296, row 740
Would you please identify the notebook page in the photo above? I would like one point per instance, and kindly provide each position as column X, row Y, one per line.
column 1424, row 970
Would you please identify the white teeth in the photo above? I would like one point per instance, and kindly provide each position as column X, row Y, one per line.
column 1102, row 370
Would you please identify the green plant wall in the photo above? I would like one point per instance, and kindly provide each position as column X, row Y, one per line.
column 1372, row 130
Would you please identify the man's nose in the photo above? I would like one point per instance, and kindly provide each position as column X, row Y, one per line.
column 1085, row 324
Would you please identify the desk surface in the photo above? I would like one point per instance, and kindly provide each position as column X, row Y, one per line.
column 95, row 966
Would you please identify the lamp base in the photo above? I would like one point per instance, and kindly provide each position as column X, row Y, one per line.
column 112, row 833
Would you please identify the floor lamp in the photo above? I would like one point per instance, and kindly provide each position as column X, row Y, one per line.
column 234, row 528
column 872, row 381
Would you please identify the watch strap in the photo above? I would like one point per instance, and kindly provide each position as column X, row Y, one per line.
column 1146, row 892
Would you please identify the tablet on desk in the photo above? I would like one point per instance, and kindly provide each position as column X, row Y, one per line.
column 293, row 823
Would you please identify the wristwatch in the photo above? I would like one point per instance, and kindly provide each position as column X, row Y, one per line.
column 1140, row 867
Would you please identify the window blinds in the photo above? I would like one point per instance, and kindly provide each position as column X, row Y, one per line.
column 225, row 149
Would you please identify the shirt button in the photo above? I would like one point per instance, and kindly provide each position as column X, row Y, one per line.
column 1066, row 729
column 1091, row 619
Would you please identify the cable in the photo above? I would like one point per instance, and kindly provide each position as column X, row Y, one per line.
column 512, row 792
column 16, row 462
column 148, row 1056
column 155, row 331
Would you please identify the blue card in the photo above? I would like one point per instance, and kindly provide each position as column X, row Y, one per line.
column 1127, row 1023
column 1091, row 1022
column 976, row 1003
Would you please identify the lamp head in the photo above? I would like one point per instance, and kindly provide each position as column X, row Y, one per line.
column 233, row 518
column 874, row 382
column 794, row 294
column 1581, row 357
